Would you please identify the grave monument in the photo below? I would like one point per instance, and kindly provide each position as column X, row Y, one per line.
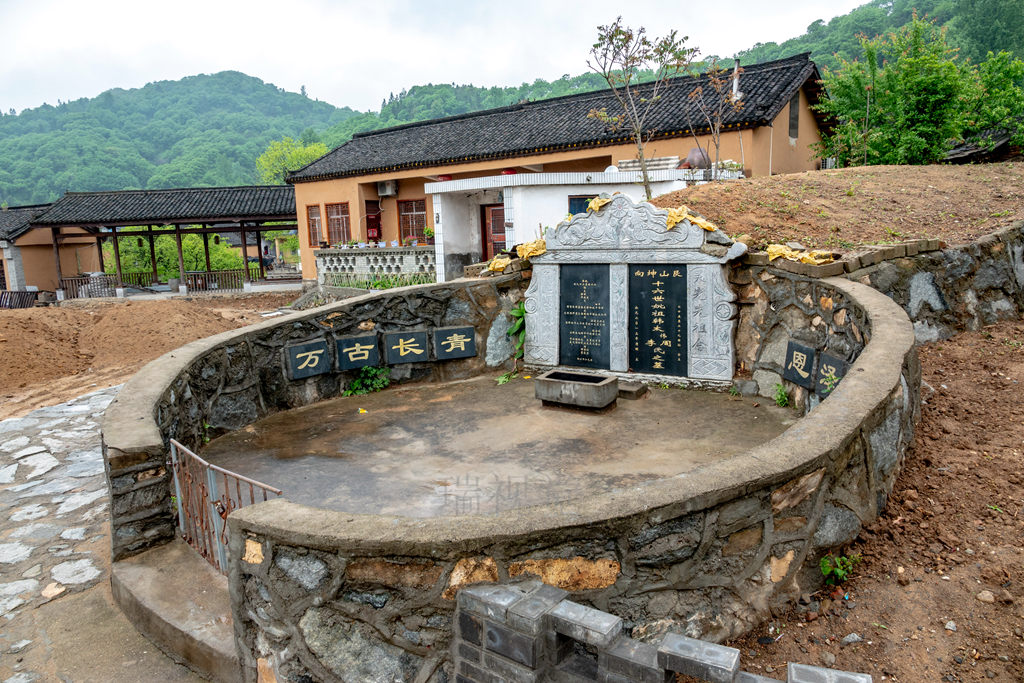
column 633, row 290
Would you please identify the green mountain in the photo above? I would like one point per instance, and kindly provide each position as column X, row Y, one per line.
column 209, row 130
column 199, row 131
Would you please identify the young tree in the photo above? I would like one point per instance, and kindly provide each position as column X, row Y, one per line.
column 621, row 55
column 286, row 155
column 714, row 97
column 905, row 104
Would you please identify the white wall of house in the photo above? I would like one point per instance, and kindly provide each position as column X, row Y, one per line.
column 533, row 201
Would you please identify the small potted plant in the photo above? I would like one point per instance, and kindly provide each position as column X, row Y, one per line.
column 428, row 232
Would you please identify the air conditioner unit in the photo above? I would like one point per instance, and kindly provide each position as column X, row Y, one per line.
column 387, row 188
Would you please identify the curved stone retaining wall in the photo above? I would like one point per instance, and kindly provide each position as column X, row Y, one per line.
column 958, row 287
column 323, row 594
column 226, row 381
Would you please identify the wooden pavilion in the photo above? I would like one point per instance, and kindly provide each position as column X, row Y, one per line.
column 189, row 211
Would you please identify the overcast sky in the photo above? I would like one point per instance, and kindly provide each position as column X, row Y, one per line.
column 349, row 53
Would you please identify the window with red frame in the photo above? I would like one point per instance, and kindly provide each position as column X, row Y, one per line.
column 337, row 223
column 316, row 233
column 412, row 219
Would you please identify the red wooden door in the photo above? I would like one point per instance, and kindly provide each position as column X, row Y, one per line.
column 492, row 222
column 372, row 221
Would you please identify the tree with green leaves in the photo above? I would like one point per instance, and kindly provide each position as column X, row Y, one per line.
column 713, row 96
column 984, row 26
column 911, row 98
column 621, row 55
column 282, row 156
column 904, row 104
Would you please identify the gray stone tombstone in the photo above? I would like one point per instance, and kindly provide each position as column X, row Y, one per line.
column 622, row 236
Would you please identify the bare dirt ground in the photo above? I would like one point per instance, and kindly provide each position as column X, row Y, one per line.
column 841, row 209
column 52, row 354
column 947, row 553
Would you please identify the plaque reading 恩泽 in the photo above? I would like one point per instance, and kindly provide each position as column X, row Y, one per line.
column 831, row 371
column 583, row 323
column 357, row 352
column 454, row 342
column 799, row 367
column 657, row 319
column 308, row 359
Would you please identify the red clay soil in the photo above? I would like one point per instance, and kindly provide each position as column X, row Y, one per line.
column 52, row 354
column 840, row 209
column 947, row 549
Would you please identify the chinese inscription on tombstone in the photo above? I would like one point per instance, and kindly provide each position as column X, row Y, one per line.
column 657, row 323
column 680, row 325
column 584, row 318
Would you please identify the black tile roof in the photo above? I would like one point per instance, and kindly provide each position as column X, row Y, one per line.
column 557, row 124
column 15, row 220
column 188, row 205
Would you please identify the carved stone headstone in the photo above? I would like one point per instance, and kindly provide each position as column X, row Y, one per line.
column 656, row 299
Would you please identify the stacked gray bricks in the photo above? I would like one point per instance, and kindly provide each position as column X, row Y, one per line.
column 527, row 632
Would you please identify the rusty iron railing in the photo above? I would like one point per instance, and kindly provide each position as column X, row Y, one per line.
column 15, row 299
column 205, row 495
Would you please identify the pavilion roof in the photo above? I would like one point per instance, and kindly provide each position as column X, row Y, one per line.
column 255, row 203
column 16, row 220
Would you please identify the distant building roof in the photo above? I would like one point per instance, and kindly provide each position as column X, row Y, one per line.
column 557, row 124
column 188, row 205
column 15, row 220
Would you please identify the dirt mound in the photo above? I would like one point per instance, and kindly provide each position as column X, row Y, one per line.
column 947, row 552
column 55, row 353
column 841, row 209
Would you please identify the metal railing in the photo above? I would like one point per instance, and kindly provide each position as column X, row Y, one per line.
column 142, row 278
column 205, row 495
column 12, row 299
column 88, row 286
column 219, row 280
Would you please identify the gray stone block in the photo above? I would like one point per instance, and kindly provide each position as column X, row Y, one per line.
column 509, row 671
column 468, row 653
column 700, row 659
column 527, row 615
column 508, row 643
column 584, row 624
column 489, row 600
column 475, row 674
column 470, row 628
column 744, row 677
column 804, row 673
column 631, row 659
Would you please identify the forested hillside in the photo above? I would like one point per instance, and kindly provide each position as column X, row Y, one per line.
column 209, row 130
column 200, row 130
column 974, row 27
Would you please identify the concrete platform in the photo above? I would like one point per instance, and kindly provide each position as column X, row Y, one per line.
column 477, row 448
column 180, row 602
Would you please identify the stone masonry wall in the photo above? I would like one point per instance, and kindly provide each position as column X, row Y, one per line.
column 524, row 631
column 956, row 287
column 778, row 306
column 227, row 381
column 320, row 595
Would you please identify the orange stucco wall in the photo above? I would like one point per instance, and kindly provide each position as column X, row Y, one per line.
column 78, row 254
column 757, row 146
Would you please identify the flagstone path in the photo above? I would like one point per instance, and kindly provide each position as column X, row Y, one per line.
column 57, row 618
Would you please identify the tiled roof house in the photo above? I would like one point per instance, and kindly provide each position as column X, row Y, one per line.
column 372, row 187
